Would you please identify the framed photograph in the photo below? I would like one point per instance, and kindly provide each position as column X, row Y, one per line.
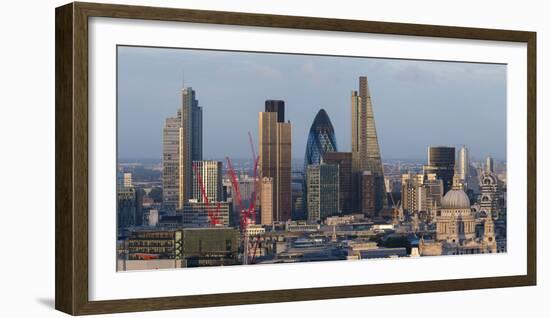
column 210, row 158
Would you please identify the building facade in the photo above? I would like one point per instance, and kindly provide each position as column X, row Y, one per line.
column 266, row 201
column 441, row 162
column 368, row 194
column 182, row 143
column 210, row 175
column 200, row 214
column 321, row 139
column 275, row 158
column 364, row 144
column 170, row 161
column 323, row 191
column 343, row 160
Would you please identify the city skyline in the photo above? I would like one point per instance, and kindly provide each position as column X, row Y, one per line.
column 135, row 104
column 345, row 204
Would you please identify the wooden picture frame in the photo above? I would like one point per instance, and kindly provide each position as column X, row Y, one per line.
column 71, row 90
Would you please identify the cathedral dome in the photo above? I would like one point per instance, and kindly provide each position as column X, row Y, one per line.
column 455, row 199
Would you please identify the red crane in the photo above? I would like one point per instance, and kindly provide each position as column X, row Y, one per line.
column 246, row 214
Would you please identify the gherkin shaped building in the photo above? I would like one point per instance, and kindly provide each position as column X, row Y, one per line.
column 321, row 139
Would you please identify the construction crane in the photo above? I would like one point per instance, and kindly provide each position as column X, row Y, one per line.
column 247, row 214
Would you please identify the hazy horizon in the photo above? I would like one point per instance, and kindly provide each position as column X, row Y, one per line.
column 416, row 103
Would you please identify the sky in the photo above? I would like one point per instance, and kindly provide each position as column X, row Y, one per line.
column 416, row 103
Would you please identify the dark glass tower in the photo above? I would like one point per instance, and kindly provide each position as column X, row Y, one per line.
column 441, row 162
column 321, row 139
column 276, row 106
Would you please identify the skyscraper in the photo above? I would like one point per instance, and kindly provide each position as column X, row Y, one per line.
column 321, row 139
column 266, row 201
column 364, row 144
column 441, row 162
column 211, row 177
column 464, row 164
column 489, row 165
column 182, row 143
column 323, row 191
column 276, row 106
column 188, row 150
column 170, row 161
column 368, row 194
column 275, row 157
column 343, row 160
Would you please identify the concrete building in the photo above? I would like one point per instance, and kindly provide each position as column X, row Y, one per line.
column 194, row 246
column 364, row 144
column 170, row 161
column 323, row 191
column 275, row 157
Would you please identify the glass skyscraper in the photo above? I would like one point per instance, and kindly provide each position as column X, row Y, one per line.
column 321, row 139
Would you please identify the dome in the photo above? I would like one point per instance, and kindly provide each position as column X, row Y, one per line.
column 455, row 199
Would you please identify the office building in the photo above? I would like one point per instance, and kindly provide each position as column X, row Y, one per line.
column 321, row 139
column 210, row 175
column 368, row 194
column 182, row 143
column 170, row 161
column 200, row 214
column 129, row 207
column 343, row 160
column 489, row 165
column 322, row 191
column 266, row 201
column 441, row 162
column 275, row 157
column 364, row 145
column 464, row 164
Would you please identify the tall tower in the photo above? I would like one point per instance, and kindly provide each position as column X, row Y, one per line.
column 364, row 144
column 190, row 143
column 321, row 139
column 464, row 163
column 170, row 161
column 275, row 157
column 489, row 165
